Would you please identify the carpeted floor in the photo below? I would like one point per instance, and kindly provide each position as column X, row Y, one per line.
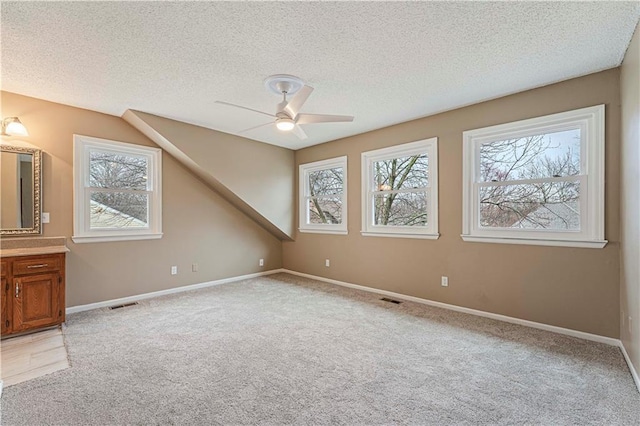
column 285, row 350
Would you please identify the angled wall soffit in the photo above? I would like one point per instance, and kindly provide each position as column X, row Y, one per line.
column 231, row 166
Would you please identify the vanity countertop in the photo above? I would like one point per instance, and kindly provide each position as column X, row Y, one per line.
column 10, row 247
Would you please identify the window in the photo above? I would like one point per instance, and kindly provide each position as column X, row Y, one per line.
column 538, row 181
column 117, row 191
column 323, row 196
column 400, row 191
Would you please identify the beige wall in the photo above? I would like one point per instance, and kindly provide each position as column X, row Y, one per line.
column 630, row 203
column 255, row 177
column 567, row 287
column 199, row 226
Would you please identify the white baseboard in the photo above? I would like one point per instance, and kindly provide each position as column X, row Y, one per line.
column 634, row 373
column 574, row 333
column 130, row 299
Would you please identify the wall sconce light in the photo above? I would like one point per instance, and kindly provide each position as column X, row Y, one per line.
column 11, row 126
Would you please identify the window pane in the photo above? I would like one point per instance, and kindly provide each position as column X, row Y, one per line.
column 326, row 182
column 119, row 210
column 401, row 173
column 533, row 157
column 325, row 210
column 117, row 171
column 552, row 205
column 400, row 209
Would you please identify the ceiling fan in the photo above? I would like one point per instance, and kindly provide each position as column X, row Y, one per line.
column 288, row 116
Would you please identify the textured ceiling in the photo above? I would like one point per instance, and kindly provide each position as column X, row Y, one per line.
column 383, row 62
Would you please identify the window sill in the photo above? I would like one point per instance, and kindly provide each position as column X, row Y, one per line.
column 109, row 238
column 400, row 235
column 535, row 242
column 323, row 231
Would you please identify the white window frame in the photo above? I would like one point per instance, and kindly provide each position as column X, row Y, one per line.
column 82, row 233
column 369, row 229
column 591, row 123
column 304, row 195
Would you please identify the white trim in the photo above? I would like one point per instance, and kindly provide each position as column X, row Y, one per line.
column 135, row 298
column 400, row 235
column 82, row 145
column 634, row 373
column 560, row 330
column 591, row 122
column 107, row 238
column 424, row 146
column 322, row 231
column 303, row 190
column 535, row 242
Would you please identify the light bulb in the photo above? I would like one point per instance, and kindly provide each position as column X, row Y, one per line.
column 13, row 127
column 285, row 124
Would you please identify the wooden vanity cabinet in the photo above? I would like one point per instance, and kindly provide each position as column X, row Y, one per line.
column 5, row 312
column 33, row 292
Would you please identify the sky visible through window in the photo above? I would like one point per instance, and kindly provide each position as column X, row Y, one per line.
column 551, row 163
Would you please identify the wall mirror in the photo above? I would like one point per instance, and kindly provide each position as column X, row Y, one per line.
column 20, row 190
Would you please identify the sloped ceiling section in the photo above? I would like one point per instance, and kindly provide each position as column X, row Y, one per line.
column 255, row 177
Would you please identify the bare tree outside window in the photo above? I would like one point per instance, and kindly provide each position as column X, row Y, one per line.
column 118, row 190
column 400, row 191
column 325, row 196
column 531, row 182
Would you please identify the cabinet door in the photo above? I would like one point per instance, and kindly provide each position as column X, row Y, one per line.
column 5, row 313
column 36, row 301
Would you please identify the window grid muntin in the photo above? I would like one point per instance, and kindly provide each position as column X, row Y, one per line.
column 591, row 123
column 427, row 147
column 83, row 232
column 305, row 196
column 542, row 130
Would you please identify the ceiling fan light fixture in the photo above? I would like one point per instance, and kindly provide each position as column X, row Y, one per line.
column 285, row 124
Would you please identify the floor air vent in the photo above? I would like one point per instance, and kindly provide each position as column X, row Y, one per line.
column 123, row 306
column 386, row 299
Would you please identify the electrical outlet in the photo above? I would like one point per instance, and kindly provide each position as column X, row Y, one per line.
column 174, row 270
column 194, row 267
column 630, row 321
column 261, row 262
column 444, row 281
column 327, row 263
column 45, row 217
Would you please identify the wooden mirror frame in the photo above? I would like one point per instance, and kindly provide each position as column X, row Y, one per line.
column 37, row 185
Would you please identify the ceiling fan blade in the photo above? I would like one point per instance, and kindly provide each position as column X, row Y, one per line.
column 298, row 100
column 241, row 107
column 322, row 118
column 297, row 130
column 256, row 127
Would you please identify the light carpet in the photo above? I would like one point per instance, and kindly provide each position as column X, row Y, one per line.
column 286, row 350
